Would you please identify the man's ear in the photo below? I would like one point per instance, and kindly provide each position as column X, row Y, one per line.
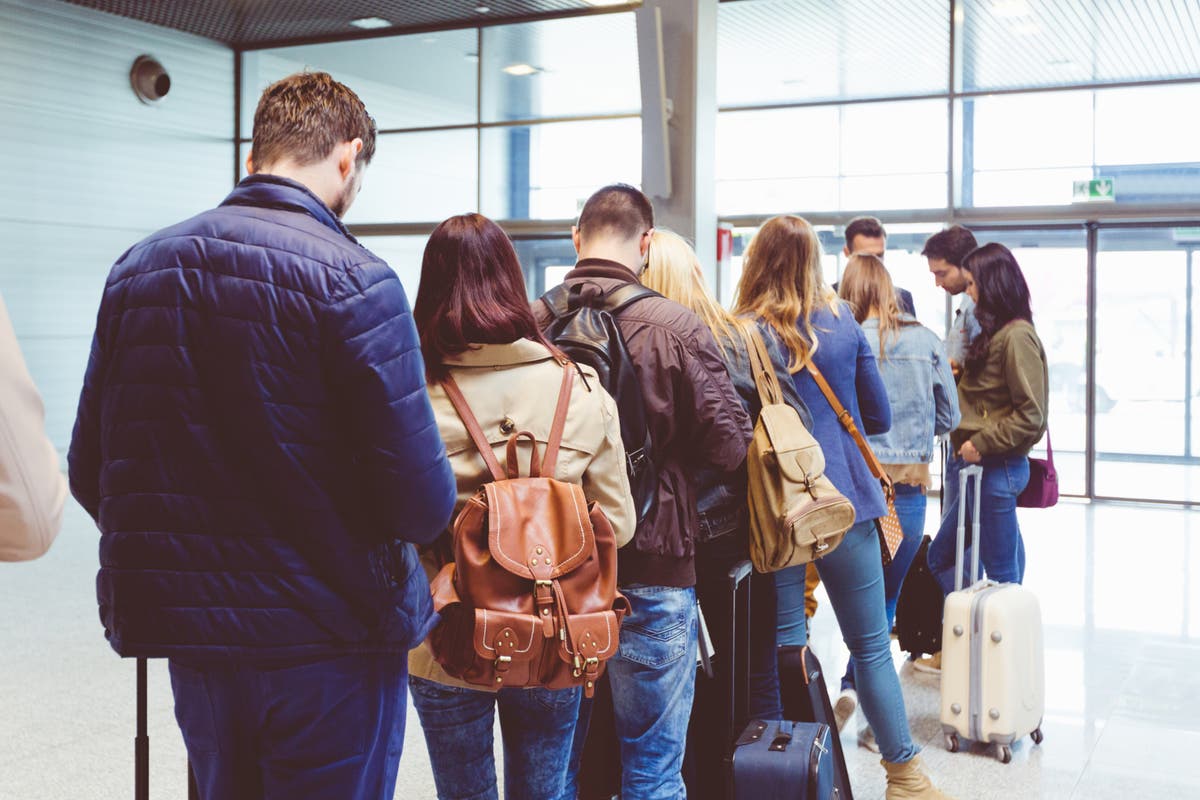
column 575, row 238
column 644, row 244
column 249, row 162
column 348, row 156
column 846, row 251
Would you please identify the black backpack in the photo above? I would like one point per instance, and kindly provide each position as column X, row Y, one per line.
column 584, row 327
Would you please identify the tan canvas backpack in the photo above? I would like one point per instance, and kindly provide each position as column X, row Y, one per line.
column 796, row 513
column 531, row 597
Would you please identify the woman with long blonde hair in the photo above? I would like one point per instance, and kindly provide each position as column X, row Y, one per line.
column 722, row 538
column 782, row 286
column 920, row 389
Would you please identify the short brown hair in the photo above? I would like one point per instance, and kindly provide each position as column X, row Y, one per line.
column 304, row 116
column 864, row 226
column 950, row 245
column 618, row 208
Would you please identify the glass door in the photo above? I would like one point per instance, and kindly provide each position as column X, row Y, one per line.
column 1145, row 393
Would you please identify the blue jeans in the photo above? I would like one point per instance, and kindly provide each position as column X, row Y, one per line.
column 537, row 725
column 1002, row 550
column 910, row 508
column 853, row 577
column 327, row 728
column 653, row 678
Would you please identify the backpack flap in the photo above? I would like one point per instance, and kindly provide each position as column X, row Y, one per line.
column 538, row 528
column 513, row 643
column 799, row 456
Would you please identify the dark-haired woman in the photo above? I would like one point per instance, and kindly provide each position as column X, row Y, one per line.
column 1003, row 397
column 476, row 325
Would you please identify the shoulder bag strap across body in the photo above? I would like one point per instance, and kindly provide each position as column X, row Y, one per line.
column 890, row 534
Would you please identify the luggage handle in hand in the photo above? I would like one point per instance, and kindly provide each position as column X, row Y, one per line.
column 964, row 477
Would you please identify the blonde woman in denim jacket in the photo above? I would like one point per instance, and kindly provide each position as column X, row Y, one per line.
column 924, row 401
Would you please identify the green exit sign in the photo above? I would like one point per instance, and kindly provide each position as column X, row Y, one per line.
column 1100, row 190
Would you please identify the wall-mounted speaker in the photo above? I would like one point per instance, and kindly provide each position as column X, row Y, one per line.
column 149, row 79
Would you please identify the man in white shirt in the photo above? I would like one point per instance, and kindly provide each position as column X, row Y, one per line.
column 945, row 252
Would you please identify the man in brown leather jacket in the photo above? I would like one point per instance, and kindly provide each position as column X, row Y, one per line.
column 695, row 420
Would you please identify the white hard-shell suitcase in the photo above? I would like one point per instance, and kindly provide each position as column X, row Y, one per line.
column 993, row 674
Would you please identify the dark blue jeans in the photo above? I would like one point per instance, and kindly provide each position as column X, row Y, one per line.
column 1001, row 548
column 910, row 508
column 537, row 726
column 328, row 728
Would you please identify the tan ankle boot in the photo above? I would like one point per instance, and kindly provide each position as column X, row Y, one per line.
column 907, row 781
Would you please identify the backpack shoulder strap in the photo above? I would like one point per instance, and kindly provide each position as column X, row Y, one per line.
column 557, row 300
column 473, row 429
column 560, row 421
column 626, row 295
column 765, row 379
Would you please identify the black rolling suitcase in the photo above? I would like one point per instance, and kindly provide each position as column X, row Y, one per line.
column 806, row 697
column 141, row 746
column 770, row 759
column 919, row 607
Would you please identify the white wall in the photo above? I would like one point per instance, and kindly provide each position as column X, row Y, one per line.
column 86, row 170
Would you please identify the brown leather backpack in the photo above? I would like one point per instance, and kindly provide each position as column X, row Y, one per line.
column 531, row 597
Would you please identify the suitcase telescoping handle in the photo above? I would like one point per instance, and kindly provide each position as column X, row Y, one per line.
column 738, row 574
column 964, row 477
column 141, row 747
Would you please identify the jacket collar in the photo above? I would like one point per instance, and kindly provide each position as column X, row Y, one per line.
column 273, row 191
column 602, row 268
column 522, row 351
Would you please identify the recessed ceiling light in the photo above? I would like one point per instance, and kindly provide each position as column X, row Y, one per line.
column 521, row 69
column 481, row 9
column 602, row 3
column 370, row 23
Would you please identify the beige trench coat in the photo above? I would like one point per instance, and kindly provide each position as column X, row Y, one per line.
column 516, row 386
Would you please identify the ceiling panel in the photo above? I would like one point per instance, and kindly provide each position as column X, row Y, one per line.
column 786, row 51
column 1016, row 44
column 249, row 23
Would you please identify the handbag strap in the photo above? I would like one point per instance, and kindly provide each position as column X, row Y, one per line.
column 765, row 379
column 475, row 431
column 847, row 420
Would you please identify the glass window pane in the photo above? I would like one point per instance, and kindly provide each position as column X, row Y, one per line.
column 1143, row 409
column 772, row 51
column 565, row 67
column 422, row 80
column 403, row 254
column 1010, row 44
column 418, row 177
column 545, row 261
column 863, row 157
column 547, row 171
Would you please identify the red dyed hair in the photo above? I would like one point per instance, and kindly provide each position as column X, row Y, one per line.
column 472, row 292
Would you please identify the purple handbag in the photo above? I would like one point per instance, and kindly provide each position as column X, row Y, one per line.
column 1042, row 489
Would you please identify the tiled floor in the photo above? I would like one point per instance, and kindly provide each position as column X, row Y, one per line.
column 1120, row 593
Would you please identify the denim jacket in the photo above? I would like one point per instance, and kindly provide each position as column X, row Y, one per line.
column 920, row 388
column 721, row 496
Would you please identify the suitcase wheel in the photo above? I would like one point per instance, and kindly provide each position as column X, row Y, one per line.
column 1037, row 736
column 952, row 742
column 1004, row 753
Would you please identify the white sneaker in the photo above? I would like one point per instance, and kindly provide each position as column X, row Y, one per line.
column 844, row 707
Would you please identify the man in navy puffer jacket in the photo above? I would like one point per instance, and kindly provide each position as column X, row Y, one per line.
column 256, row 444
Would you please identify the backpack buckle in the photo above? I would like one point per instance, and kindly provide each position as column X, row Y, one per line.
column 501, row 663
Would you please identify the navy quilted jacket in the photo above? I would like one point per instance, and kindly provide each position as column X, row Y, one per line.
column 255, row 441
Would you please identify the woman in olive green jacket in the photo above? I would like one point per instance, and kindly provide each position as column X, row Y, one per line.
column 1003, row 397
